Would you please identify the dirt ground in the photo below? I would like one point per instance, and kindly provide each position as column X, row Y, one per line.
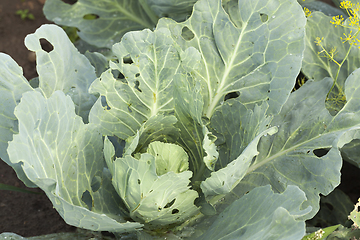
column 30, row 214
column 22, row 213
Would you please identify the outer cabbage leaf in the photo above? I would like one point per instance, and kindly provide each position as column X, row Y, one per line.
column 225, row 179
column 147, row 86
column 175, row 9
column 151, row 199
column 238, row 131
column 257, row 53
column 63, row 156
column 235, row 127
column 99, row 61
column 102, row 23
column 351, row 152
column 293, row 155
column 321, row 6
column 194, row 135
column 12, row 86
column 262, row 214
column 63, row 68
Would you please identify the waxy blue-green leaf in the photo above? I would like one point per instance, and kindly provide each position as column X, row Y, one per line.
column 262, row 214
column 189, row 103
column 63, row 156
column 12, row 85
column 321, row 6
column 259, row 57
column 305, row 151
column 102, row 23
column 174, row 9
column 225, row 179
column 152, row 199
column 146, row 88
column 235, row 127
column 63, row 68
column 238, row 131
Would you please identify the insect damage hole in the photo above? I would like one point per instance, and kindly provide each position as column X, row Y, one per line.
column 169, row 204
column 231, row 95
column 320, row 152
column 137, row 84
column 264, row 17
column 104, row 103
column 96, row 182
column 91, row 16
column 187, row 34
column 87, row 199
column 70, row 2
column 174, row 211
column 127, row 60
column 46, row 45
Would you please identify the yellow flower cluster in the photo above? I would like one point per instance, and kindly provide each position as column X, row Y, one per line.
column 353, row 22
column 307, row 12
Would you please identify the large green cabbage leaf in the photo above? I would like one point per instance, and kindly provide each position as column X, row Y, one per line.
column 256, row 53
column 244, row 219
column 143, row 89
column 170, row 86
column 66, row 70
column 103, row 23
column 63, row 156
column 305, row 151
column 12, row 85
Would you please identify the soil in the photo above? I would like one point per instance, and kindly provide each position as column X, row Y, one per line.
column 32, row 214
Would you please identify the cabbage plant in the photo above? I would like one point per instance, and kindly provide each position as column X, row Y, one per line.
column 192, row 130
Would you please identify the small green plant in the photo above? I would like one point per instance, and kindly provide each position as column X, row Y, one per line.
column 25, row 14
column 336, row 97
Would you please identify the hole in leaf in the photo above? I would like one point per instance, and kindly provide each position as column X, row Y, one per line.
column 232, row 95
column 87, row 199
column 46, row 45
column 96, row 183
column 129, row 109
column 264, row 17
column 300, row 80
column 137, row 84
column 174, row 211
column 137, row 75
column 118, row 75
column 119, row 145
column 169, row 204
column 321, row 151
column 71, row 2
column 187, row 34
column 90, row 16
column 139, row 181
column 104, row 103
column 127, row 60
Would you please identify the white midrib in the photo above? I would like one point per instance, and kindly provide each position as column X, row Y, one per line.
column 219, row 92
